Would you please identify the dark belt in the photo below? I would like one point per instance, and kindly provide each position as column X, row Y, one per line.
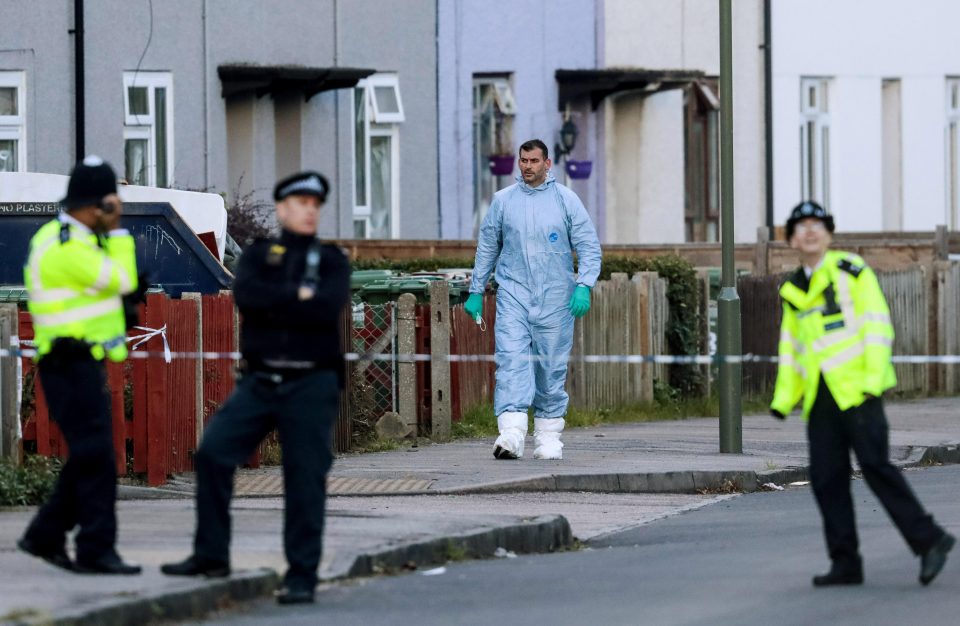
column 68, row 350
column 277, row 372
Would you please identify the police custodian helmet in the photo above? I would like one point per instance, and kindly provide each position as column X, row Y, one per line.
column 808, row 209
column 91, row 181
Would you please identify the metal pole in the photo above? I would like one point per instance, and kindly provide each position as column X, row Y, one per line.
column 768, row 108
column 79, row 81
column 728, row 304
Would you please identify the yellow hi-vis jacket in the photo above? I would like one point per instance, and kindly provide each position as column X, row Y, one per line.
column 75, row 284
column 837, row 326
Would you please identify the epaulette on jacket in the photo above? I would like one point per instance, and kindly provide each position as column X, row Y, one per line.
column 850, row 267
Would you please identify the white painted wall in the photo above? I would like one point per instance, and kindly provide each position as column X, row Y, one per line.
column 858, row 45
column 661, row 189
column 648, row 132
column 684, row 34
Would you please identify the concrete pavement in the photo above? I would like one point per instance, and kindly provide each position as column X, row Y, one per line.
column 425, row 505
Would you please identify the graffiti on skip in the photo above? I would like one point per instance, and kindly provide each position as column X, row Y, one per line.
column 159, row 237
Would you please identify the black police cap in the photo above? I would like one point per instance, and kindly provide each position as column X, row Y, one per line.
column 805, row 210
column 302, row 183
column 90, row 182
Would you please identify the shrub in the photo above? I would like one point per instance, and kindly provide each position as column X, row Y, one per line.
column 248, row 219
column 29, row 483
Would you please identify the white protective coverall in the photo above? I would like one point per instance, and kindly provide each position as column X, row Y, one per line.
column 530, row 235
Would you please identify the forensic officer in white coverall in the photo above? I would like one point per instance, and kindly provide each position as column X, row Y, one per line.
column 530, row 233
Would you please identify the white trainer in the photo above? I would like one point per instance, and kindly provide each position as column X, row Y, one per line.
column 546, row 437
column 513, row 430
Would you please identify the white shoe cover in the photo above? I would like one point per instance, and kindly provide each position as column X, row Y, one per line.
column 546, row 437
column 513, row 430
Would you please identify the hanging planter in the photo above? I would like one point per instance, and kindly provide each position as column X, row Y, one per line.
column 501, row 164
column 579, row 170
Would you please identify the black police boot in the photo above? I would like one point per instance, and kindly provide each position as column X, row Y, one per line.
column 195, row 566
column 111, row 564
column 932, row 561
column 57, row 557
column 841, row 573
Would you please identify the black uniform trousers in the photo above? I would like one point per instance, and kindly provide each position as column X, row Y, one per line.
column 832, row 433
column 86, row 492
column 303, row 408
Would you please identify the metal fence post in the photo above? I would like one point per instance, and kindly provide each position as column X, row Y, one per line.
column 9, row 385
column 406, row 345
column 439, row 360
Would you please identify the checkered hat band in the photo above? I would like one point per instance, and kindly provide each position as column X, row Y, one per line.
column 307, row 185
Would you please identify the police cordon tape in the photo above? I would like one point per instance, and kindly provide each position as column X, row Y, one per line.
column 630, row 359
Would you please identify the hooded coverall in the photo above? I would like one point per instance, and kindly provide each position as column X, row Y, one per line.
column 530, row 234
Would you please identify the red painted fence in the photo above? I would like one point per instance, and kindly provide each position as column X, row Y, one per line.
column 159, row 408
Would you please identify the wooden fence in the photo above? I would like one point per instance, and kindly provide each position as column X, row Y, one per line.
column 472, row 383
column 760, row 314
column 948, row 323
column 626, row 317
column 908, row 298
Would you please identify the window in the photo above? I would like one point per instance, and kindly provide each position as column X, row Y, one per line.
column 387, row 107
column 702, row 161
column 377, row 114
column 814, row 141
column 493, row 111
column 13, row 125
column 148, row 128
column 953, row 152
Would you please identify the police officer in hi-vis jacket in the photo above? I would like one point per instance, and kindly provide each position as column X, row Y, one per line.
column 835, row 350
column 80, row 267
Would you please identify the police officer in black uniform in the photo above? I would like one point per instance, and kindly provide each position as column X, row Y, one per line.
column 291, row 292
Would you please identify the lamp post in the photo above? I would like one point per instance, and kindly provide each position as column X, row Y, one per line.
column 728, row 304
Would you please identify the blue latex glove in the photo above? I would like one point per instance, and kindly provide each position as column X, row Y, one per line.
column 474, row 306
column 580, row 301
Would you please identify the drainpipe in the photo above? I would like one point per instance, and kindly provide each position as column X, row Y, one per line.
column 436, row 127
column 206, row 104
column 79, row 85
column 768, row 109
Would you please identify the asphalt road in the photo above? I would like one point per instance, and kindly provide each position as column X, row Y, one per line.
column 747, row 560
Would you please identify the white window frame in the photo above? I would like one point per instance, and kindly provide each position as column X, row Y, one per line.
column 816, row 114
column 384, row 80
column 503, row 94
column 377, row 124
column 144, row 126
column 14, row 127
column 952, row 152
